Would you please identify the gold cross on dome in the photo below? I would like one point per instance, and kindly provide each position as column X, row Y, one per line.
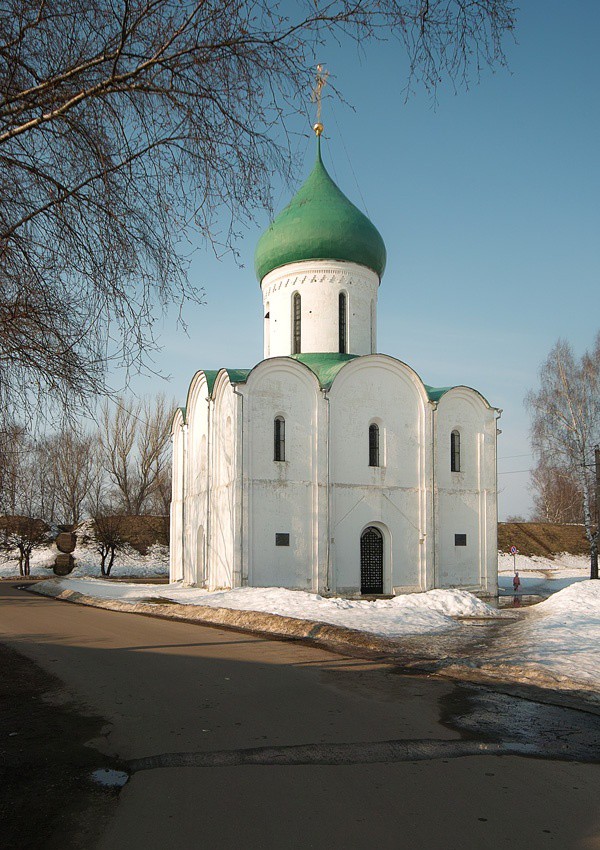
column 320, row 83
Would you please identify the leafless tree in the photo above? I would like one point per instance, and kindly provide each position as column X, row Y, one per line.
column 126, row 126
column 23, row 534
column 14, row 444
column 107, row 536
column 565, row 428
column 74, row 465
column 159, row 503
column 22, row 527
column 557, row 495
column 135, row 439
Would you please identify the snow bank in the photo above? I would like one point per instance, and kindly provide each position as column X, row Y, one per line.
column 415, row 613
column 557, row 641
column 552, row 644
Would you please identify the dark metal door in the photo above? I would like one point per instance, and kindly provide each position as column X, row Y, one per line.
column 371, row 561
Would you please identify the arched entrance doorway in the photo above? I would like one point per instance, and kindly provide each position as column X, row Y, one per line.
column 371, row 561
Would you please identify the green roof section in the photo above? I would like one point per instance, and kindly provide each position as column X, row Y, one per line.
column 320, row 223
column 238, row 376
column 211, row 377
column 435, row 393
column 325, row 366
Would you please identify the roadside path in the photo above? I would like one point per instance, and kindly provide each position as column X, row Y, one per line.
column 164, row 687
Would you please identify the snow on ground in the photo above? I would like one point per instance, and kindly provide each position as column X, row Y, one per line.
column 557, row 639
column 410, row 614
column 542, row 576
column 553, row 643
column 128, row 562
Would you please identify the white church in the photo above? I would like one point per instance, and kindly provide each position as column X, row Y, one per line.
column 329, row 467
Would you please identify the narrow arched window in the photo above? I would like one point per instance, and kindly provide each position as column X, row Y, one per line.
column 374, row 445
column 279, row 438
column 455, row 451
column 296, row 324
column 343, row 323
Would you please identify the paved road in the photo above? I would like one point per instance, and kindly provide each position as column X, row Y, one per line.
column 167, row 687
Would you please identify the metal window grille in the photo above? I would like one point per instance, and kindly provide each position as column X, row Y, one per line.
column 296, row 324
column 374, row 445
column 455, row 451
column 371, row 561
column 343, row 324
column 279, row 438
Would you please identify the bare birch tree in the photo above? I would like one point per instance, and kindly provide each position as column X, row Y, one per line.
column 566, row 425
column 135, row 440
column 128, row 126
column 556, row 495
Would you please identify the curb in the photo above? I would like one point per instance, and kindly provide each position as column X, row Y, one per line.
column 256, row 622
column 342, row 639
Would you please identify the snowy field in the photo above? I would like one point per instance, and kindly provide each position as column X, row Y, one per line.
column 128, row 563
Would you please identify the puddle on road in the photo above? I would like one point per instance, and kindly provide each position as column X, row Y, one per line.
column 545, row 731
column 517, row 600
column 110, row 778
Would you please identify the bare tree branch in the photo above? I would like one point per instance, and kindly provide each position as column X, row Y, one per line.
column 127, row 127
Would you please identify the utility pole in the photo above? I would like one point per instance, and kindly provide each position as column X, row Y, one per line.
column 594, row 571
column 597, row 460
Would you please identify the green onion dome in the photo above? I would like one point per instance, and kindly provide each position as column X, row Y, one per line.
column 320, row 223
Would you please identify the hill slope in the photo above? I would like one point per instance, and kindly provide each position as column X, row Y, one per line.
column 542, row 538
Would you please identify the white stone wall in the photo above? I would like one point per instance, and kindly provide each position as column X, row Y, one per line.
column 224, row 494
column 283, row 496
column 230, row 498
column 196, row 478
column 319, row 283
column 394, row 497
column 178, row 437
column 466, row 500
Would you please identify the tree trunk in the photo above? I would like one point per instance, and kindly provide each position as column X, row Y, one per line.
column 110, row 562
column 591, row 535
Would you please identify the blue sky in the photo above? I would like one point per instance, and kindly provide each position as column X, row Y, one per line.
column 488, row 204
